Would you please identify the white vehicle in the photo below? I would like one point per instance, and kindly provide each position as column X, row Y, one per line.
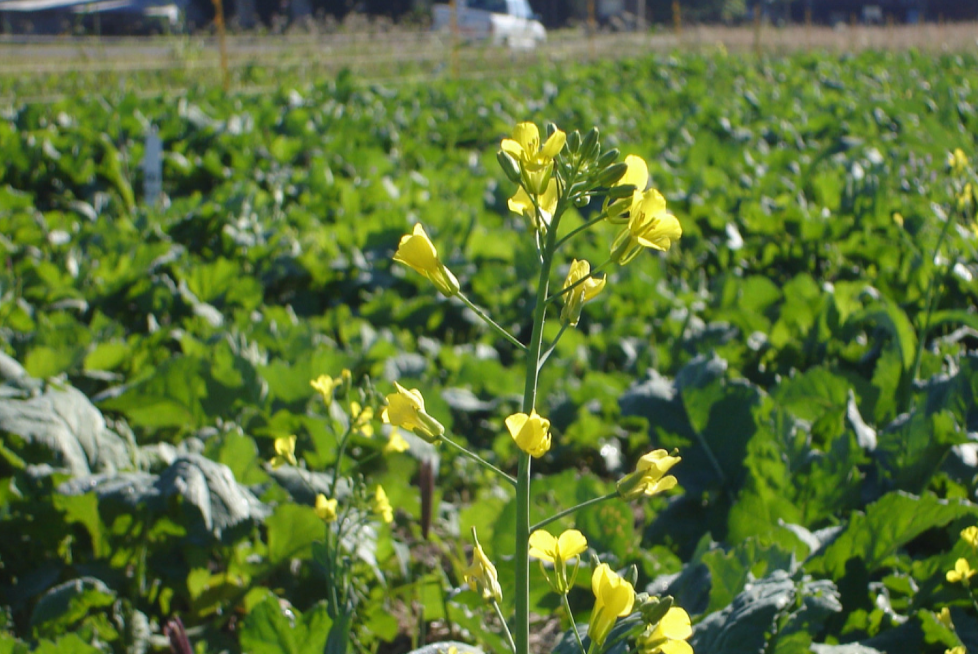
column 504, row 22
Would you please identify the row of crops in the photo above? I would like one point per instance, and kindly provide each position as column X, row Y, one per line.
column 808, row 346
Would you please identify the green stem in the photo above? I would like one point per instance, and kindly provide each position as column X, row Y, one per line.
column 570, row 615
column 922, row 337
column 578, row 230
column 567, row 512
column 553, row 345
column 578, row 282
column 478, row 459
column 502, row 620
column 521, row 559
column 492, row 323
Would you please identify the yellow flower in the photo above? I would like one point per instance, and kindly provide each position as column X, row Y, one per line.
column 482, row 573
column 970, row 536
column 383, row 506
column 962, row 572
column 325, row 509
column 418, row 252
column 284, row 451
column 956, row 650
column 637, row 173
column 957, row 161
column 649, row 226
column 669, row 636
column 325, row 385
column 521, row 203
column 396, row 443
column 614, row 598
column 558, row 551
column 405, row 408
column 584, row 291
column 898, row 219
column 648, row 478
column 536, row 162
column 944, row 617
column 361, row 417
column 531, row 433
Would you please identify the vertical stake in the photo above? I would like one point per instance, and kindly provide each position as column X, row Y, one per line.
column 757, row 29
column 677, row 18
column 222, row 43
column 592, row 27
column 453, row 4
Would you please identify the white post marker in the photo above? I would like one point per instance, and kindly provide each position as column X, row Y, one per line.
column 152, row 168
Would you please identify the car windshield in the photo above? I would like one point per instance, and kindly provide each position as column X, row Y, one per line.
column 496, row 6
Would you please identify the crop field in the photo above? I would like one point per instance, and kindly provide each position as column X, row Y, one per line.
column 345, row 382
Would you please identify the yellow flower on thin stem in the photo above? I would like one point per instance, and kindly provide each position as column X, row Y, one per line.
column 649, row 476
column 962, row 572
column 536, row 161
column 649, row 226
column 284, row 451
column 944, row 617
column 584, row 291
column 637, row 175
column 522, row 203
column 531, row 433
column 956, row 650
column 396, row 443
column 405, row 409
column 325, row 509
column 326, row 385
column 418, row 252
column 482, row 573
column 382, row 505
column 970, row 536
column 669, row 636
column 614, row 598
column 558, row 551
column 361, row 417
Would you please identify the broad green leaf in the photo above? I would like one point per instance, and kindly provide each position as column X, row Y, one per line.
column 272, row 629
column 876, row 536
column 292, row 529
column 66, row 604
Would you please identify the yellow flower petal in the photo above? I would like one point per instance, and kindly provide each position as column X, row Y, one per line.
column 637, row 173
column 531, row 433
column 325, row 509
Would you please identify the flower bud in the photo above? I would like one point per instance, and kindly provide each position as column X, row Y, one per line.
column 611, row 174
column 511, row 167
column 574, row 141
column 607, row 158
column 590, row 146
column 654, row 609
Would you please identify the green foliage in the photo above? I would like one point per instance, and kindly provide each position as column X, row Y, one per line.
column 807, row 353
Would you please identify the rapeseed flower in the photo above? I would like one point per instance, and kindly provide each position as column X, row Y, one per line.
column 382, row 505
column 668, row 636
column 482, row 573
column 396, row 443
column 649, row 226
column 521, row 203
column 531, row 433
column 284, row 451
column 536, row 161
column 584, row 291
column 558, row 551
column 970, row 536
column 361, row 419
column 962, row 572
column 418, row 252
column 649, row 477
column 405, row 408
column 326, row 385
column 614, row 598
column 325, row 509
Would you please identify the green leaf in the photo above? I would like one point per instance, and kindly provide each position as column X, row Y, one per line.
column 272, row 629
column 875, row 537
column 83, row 509
column 292, row 529
column 66, row 604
